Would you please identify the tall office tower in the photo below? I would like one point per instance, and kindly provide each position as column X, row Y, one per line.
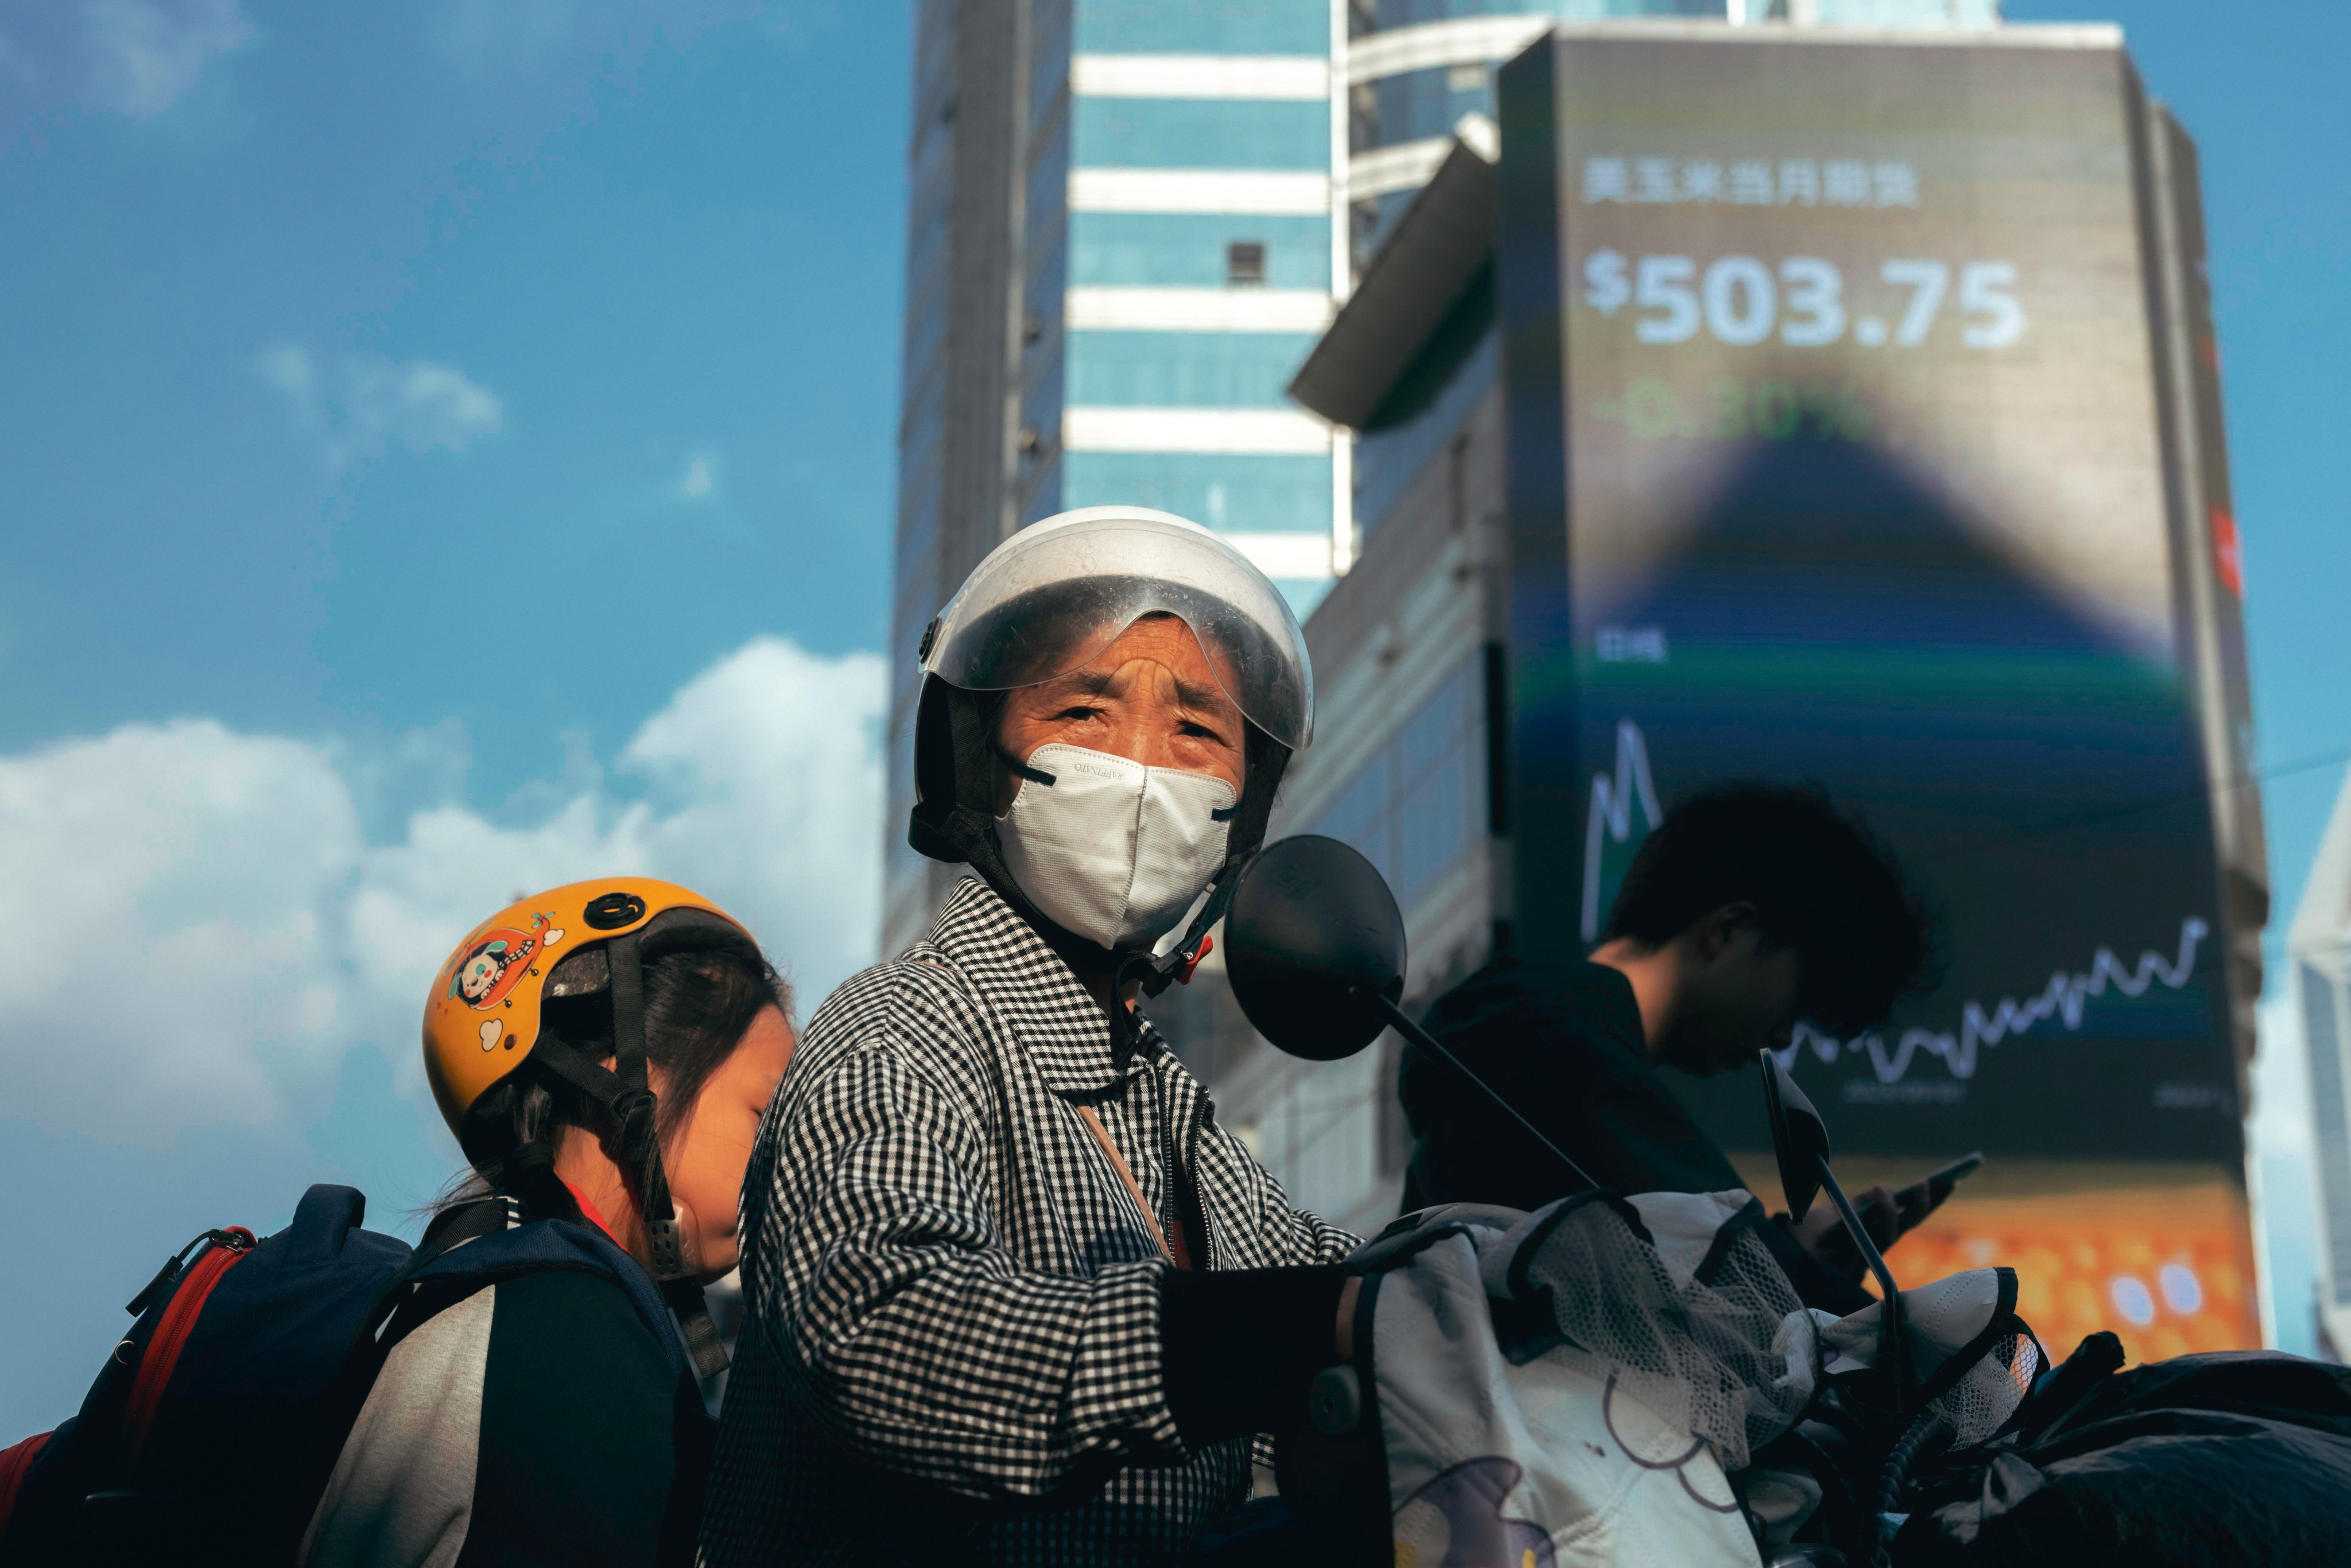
column 1415, row 67
column 1126, row 229
column 2318, row 945
column 1676, row 466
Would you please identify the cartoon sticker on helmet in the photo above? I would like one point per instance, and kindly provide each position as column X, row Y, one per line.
column 495, row 962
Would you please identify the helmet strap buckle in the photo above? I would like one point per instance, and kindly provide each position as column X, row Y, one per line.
column 1192, row 962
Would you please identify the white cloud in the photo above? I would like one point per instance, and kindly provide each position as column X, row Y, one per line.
column 358, row 404
column 167, row 937
column 146, row 53
column 698, row 479
column 199, row 922
column 132, row 57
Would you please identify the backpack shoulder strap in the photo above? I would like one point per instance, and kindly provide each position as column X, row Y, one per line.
column 162, row 1358
column 454, row 1228
column 491, row 1242
column 13, row 1464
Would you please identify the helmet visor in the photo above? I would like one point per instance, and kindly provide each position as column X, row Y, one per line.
column 1049, row 600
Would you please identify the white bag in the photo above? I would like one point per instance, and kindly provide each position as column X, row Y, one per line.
column 1580, row 1385
column 1540, row 1463
column 1571, row 1386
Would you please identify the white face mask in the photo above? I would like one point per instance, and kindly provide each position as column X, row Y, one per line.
column 1111, row 849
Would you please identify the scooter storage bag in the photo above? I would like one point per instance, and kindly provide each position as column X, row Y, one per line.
column 1572, row 1386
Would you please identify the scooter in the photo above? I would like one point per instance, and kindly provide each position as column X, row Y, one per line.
column 1629, row 1379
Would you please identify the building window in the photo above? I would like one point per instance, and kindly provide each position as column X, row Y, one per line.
column 1187, row 250
column 1118, row 369
column 1245, row 264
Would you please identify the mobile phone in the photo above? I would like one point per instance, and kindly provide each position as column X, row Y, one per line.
column 1938, row 1184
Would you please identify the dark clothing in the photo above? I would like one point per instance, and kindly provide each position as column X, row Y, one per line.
column 1563, row 1043
column 1242, row 1344
column 538, row 1420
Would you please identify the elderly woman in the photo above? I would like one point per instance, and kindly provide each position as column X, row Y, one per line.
column 1013, row 1294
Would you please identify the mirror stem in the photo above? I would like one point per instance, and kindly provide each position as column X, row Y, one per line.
column 1403, row 1025
column 1891, row 1353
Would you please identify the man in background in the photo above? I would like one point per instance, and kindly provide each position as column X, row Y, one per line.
column 1749, row 908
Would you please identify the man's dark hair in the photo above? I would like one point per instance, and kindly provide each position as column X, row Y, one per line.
column 1819, row 880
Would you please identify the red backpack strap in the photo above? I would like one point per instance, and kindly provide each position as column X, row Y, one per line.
column 170, row 1336
column 14, row 1463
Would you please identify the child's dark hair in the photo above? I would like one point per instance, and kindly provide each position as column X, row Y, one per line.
column 1818, row 878
column 698, row 1004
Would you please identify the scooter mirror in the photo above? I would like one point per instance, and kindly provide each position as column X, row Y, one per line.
column 1312, row 933
column 1798, row 1138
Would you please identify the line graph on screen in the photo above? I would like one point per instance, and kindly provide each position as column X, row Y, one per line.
column 1610, row 819
column 1629, row 783
column 2065, row 999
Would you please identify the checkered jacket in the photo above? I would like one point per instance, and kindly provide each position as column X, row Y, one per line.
column 951, row 1349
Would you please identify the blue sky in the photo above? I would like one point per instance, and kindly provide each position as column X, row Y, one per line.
column 448, row 449
column 648, row 247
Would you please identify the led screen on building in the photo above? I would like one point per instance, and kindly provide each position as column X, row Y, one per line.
column 1840, row 452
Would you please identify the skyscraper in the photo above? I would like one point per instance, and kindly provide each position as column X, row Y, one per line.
column 1415, row 67
column 1129, row 222
column 1126, row 229
column 1613, row 553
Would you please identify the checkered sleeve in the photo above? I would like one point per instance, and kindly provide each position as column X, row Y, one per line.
column 1320, row 1240
column 918, row 1337
column 1290, row 1235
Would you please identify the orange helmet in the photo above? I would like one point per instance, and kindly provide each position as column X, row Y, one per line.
column 483, row 1020
column 481, row 1014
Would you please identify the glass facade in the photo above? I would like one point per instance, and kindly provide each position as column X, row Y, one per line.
column 1191, row 250
column 1155, row 301
column 1413, row 105
column 1203, row 26
column 1230, row 492
column 1174, row 170
column 1201, row 133
column 1416, row 805
column 1184, row 370
column 1388, row 459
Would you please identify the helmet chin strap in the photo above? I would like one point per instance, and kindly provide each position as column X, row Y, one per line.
column 625, row 1093
column 968, row 833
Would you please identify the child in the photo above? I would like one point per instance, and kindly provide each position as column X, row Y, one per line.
column 605, row 1071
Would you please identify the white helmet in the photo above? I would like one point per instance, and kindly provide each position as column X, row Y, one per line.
column 1048, row 601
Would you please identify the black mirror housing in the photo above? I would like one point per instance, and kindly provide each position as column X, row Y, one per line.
column 1313, row 934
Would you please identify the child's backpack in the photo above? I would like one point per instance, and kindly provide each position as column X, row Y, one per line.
column 225, row 1404
column 211, row 1431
